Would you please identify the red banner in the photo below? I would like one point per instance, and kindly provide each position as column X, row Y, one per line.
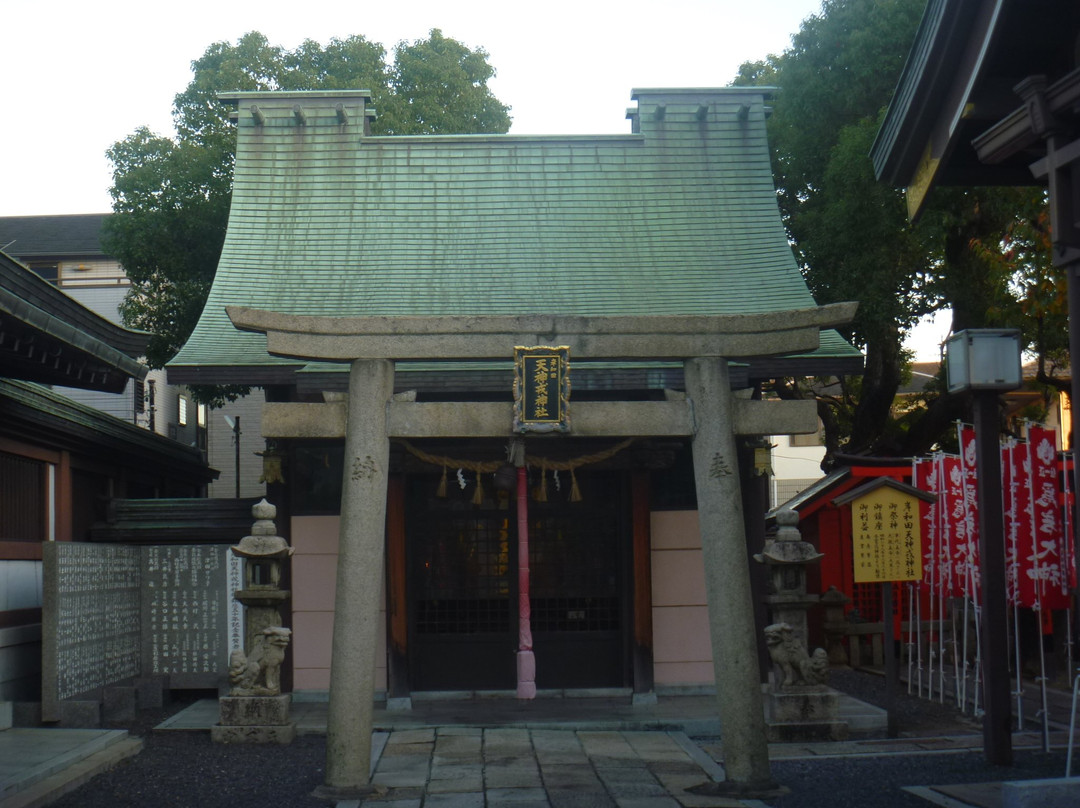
column 924, row 477
column 953, row 523
column 1067, row 505
column 966, row 548
column 1017, row 500
column 1040, row 556
column 1047, row 551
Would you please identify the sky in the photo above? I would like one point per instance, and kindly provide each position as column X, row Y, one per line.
column 75, row 77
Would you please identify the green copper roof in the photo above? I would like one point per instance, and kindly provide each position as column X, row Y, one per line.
column 678, row 217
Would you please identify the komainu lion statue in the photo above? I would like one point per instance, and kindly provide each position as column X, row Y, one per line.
column 793, row 665
column 260, row 673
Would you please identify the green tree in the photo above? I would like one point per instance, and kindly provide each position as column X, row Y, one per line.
column 171, row 196
column 850, row 233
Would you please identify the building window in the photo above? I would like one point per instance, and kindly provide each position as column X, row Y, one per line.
column 48, row 270
column 813, row 439
column 24, row 498
column 181, row 417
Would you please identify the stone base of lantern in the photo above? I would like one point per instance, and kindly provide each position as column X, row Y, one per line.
column 804, row 714
column 254, row 720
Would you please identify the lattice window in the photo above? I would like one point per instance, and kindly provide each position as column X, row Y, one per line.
column 575, row 614
column 463, row 616
column 462, row 576
column 23, row 498
column 867, row 599
column 574, row 568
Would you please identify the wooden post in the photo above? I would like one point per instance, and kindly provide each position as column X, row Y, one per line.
column 993, row 639
column 890, row 657
column 397, row 606
column 643, row 627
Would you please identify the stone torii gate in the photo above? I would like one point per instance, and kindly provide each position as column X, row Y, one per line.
column 709, row 413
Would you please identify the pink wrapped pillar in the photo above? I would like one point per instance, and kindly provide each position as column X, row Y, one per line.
column 526, row 662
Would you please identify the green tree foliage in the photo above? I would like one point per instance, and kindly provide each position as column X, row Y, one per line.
column 445, row 88
column 171, row 195
column 851, row 235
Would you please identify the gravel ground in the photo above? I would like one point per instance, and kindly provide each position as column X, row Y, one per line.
column 876, row 782
column 862, row 782
column 185, row 769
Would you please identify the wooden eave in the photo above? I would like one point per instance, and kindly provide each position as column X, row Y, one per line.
column 450, row 378
column 33, row 414
column 175, row 521
column 967, row 59
column 49, row 338
column 882, row 482
column 852, row 471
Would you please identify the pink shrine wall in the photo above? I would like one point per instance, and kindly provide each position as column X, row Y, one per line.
column 682, row 654
column 314, row 583
column 682, row 651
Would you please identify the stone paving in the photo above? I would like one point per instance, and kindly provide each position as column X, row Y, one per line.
column 471, row 767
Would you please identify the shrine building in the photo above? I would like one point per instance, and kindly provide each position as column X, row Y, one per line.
column 376, row 288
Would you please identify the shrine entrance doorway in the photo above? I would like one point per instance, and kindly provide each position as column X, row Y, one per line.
column 463, row 585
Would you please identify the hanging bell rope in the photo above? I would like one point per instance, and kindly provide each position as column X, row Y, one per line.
column 575, row 492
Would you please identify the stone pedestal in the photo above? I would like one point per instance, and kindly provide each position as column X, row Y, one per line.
column 808, row 713
column 254, row 719
column 834, row 602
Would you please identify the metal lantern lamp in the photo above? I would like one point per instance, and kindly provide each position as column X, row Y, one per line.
column 983, row 359
column 987, row 362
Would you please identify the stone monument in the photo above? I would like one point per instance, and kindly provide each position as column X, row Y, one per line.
column 799, row 706
column 256, row 711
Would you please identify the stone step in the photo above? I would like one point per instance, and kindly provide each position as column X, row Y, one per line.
column 46, row 784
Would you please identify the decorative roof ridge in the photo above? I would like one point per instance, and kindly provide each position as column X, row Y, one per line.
column 766, row 90
column 57, row 216
column 292, row 95
column 488, row 137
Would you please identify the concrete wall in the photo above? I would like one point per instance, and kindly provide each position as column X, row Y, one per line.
column 20, row 663
column 20, row 646
column 20, row 585
column 314, row 578
column 682, row 652
column 221, row 451
column 795, row 465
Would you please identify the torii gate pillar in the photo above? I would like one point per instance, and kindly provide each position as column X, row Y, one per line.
column 359, row 578
column 727, row 584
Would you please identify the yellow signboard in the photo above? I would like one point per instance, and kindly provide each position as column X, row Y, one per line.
column 886, row 536
column 541, row 389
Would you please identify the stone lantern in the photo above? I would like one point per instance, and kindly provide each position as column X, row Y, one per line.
column 256, row 711
column 787, row 557
column 263, row 553
column 798, row 705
